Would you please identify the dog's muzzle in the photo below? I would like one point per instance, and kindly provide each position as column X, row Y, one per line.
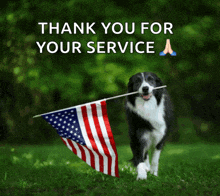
column 145, row 93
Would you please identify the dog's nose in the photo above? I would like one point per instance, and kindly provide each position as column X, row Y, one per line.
column 145, row 89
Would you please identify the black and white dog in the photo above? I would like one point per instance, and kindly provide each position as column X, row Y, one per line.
column 149, row 115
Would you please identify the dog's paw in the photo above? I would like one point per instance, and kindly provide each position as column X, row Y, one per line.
column 154, row 170
column 142, row 171
column 142, row 176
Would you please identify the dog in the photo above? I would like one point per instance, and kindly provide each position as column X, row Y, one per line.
column 149, row 115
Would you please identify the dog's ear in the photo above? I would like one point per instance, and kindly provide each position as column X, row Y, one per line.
column 158, row 81
column 159, row 92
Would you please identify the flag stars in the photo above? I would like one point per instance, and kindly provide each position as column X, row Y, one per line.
column 67, row 125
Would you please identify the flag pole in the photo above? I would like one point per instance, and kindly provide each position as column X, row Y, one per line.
column 127, row 94
column 115, row 97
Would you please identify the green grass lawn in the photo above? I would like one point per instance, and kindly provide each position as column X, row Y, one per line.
column 54, row 170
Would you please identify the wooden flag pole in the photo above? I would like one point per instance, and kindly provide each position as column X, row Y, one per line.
column 115, row 97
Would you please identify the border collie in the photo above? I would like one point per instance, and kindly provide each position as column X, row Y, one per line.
column 149, row 114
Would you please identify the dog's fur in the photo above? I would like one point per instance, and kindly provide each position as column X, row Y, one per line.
column 149, row 115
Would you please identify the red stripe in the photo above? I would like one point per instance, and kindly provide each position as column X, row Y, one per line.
column 101, row 138
column 73, row 148
column 92, row 159
column 83, row 154
column 90, row 136
column 111, row 138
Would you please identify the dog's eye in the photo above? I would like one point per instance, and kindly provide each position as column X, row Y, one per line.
column 137, row 80
column 150, row 79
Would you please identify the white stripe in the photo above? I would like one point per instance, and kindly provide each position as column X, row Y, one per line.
column 107, row 141
column 99, row 115
column 77, row 149
column 95, row 136
column 85, row 136
column 88, row 159
column 79, row 153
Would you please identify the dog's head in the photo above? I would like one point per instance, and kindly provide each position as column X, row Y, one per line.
column 144, row 83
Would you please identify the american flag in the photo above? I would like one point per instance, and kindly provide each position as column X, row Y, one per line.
column 86, row 131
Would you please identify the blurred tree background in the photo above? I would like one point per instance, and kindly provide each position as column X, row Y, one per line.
column 34, row 83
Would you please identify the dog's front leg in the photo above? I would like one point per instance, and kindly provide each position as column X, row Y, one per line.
column 155, row 162
column 139, row 161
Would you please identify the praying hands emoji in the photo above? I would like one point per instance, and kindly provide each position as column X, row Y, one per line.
column 167, row 49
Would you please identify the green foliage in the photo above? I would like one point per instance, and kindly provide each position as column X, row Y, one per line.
column 45, row 82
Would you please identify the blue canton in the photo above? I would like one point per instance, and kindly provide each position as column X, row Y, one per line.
column 67, row 125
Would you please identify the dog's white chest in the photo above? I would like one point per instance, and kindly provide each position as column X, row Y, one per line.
column 150, row 111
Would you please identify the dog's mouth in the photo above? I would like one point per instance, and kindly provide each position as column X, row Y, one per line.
column 146, row 97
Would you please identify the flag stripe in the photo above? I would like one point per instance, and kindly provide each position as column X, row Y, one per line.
column 99, row 159
column 105, row 134
column 72, row 148
column 75, row 148
column 101, row 137
column 93, row 154
column 88, row 130
column 87, row 133
column 93, row 128
column 79, row 149
column 103, row 147
column 105, row 117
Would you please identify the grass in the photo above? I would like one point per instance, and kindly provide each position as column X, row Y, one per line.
column 54, row 170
